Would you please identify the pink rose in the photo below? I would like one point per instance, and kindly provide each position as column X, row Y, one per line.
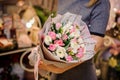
column 58, row 25
column 65, row 37
column 52, row 47
column 59, row 42
column 80, row 52
column 69, row 58
column 52, row 35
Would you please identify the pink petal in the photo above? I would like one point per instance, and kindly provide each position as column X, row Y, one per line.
column 52, row 47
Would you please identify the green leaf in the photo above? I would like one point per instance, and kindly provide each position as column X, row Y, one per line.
column 60, row 30
column 67, row 42
column 71, row 53
column 68, row 33
column 54, row 27
column 75, row 58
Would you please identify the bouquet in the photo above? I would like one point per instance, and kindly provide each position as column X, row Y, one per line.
column 66, row 43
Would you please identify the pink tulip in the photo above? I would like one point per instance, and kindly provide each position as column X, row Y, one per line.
column 52, row 47
column 52, row 35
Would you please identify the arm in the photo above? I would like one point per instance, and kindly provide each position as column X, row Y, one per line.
column 99, row 42
column 99, row 18
column 98, row 21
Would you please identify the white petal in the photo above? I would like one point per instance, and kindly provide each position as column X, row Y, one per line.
column 61, row 52
column 47, row 40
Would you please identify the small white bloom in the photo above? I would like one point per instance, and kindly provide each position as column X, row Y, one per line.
column 80, row 40
column 82, row 45
column 58, row 35
column 71, row 27
column 67, row 27
column 74, row 46
column 47, row 40
column 75, row 34
column 61, row 52
column 72, row 35
column 64, row 30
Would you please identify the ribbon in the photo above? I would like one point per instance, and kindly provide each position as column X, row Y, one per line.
column 36, row 58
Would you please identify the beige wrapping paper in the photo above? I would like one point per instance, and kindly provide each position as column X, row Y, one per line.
column 54, row 66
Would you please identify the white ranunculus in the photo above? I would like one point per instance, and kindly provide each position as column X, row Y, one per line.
column 61, row 52
column 74, row 46
column 47, row 40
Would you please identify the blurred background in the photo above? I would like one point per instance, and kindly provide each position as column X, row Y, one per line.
column 20, row 23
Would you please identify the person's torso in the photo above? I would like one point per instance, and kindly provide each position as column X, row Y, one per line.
column 77, row 7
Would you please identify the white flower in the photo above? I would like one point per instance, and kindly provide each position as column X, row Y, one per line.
column 58, row 35
column 61, row 52
column 47, row 40
column 71, row 27
column 67, row 27
column 75, row 34
column 80, row 40
column 74, row 46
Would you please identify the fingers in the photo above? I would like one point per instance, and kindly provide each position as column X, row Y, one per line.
column 114, row 52
column 117, row 42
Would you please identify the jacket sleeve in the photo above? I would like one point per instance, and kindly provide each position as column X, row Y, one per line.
column 99, row 18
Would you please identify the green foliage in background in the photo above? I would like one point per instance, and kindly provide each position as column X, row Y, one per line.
column 43, row 14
